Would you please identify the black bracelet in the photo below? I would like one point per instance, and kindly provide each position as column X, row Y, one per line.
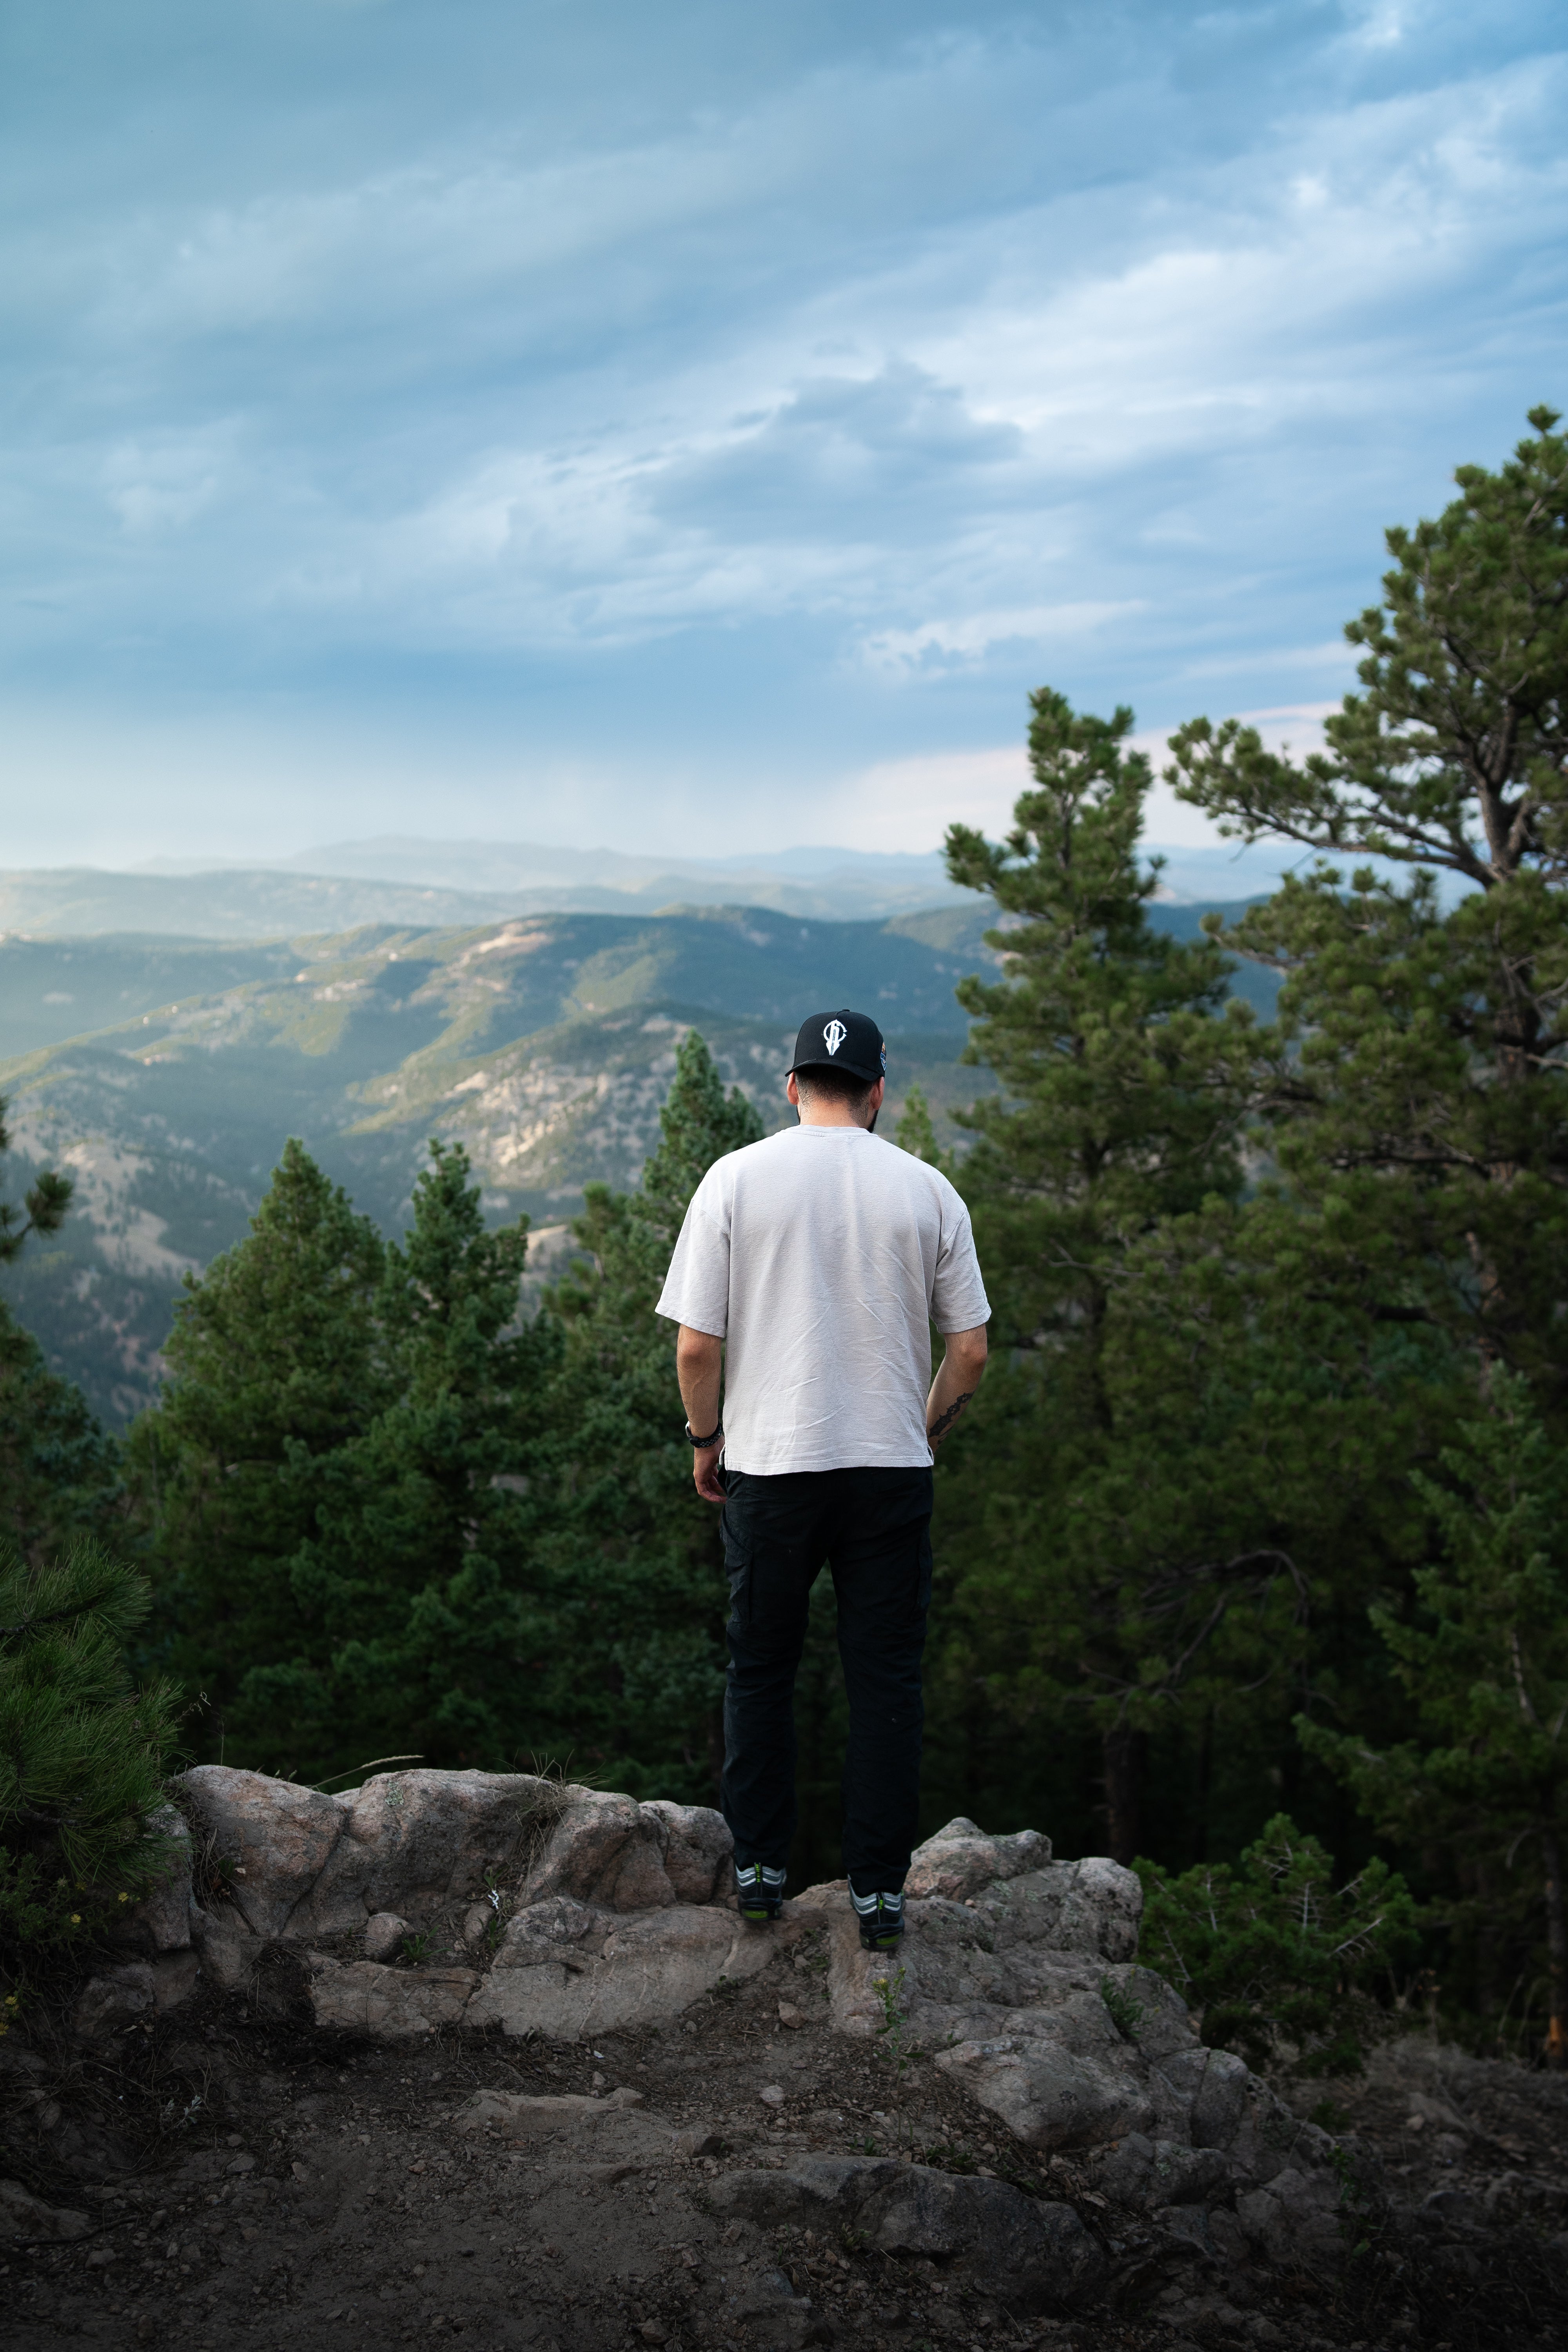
column 702, row 1443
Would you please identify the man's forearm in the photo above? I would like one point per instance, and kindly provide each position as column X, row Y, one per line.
column 958, row 1376
column 699, row 1368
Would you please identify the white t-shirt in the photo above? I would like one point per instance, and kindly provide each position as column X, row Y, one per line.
column 822, row 1256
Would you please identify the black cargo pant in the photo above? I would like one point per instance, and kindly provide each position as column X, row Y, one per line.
column 874, row 1527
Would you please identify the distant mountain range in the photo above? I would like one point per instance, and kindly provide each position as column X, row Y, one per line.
column 414, row 882
column 405, row 882
column 166, row 1074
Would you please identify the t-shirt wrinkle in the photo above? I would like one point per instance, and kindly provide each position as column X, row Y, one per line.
column 822, row 1256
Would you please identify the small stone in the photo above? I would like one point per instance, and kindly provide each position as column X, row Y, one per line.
column 233, row 2140
column 654, row 2331
column 791, row 2016
column 119, row 1998
column 772, row 2095
column 600, row 2082
column 384, row 1934
column 21, row 2215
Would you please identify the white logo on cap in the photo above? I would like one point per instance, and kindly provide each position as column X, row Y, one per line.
column 833, row 1036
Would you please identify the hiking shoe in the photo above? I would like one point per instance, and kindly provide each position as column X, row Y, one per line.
column 761, row 1893
column 881, row 1920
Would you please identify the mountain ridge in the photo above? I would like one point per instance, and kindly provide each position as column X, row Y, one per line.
column 543, row 1044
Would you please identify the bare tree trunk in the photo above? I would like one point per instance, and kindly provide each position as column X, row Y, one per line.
column 1556, row 1949
column 1123, row 1752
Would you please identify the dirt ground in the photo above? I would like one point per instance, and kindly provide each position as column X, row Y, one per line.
column 252, row 2182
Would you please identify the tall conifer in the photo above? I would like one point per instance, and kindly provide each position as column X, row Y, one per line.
column 1123, row 1083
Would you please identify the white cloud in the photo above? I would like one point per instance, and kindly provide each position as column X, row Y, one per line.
column 157, row 486
column 944, row 644
column 908, row 805
column 744, row 414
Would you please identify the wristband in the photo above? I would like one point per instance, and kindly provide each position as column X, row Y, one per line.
column 702, row 1443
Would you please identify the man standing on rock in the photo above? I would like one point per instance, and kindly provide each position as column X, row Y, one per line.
column 808, row 1273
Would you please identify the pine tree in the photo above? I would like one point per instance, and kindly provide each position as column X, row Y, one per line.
column 413, row 1587
column 1420, row 1121
column 393, row 1516
column 1483, row 1654
column 637, row 1563
column 1123, row 1083
column 1092, row 1570
column 275, row 1363
column 699, row 1123
column 46, row 1200
column 1275, row 1957
column 59, row 1474
column 81, row 1752
column 916, row 1132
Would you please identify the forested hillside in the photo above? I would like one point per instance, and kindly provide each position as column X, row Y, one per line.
column 1255, row 1531
column 167, row 1076
column 544, row 1046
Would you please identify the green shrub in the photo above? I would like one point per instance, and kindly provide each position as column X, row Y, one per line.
column 1277, row 1961
column 81, row 1756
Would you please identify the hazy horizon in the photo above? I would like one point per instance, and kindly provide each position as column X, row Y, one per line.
column 858, row 883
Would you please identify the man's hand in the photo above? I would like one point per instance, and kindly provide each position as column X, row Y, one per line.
column 960, row 1373
column 705, row 1471
column 698, row 1367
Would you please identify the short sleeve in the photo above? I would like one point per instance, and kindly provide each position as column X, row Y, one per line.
column 697, row 1287
column 958, row 1300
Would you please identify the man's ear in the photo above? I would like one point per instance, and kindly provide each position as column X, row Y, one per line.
column 792, row 1091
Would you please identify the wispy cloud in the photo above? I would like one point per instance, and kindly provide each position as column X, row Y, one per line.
column 705, row 401
column 937, row 645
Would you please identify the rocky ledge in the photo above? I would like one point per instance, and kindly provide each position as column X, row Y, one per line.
column 427, row 1901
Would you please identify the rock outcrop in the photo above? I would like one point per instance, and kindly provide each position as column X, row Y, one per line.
column 1038, row 2251
column 427, row 1900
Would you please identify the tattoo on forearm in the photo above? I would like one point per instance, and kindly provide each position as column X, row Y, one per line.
column 944, row 1421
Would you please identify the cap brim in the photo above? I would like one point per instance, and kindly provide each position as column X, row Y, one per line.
column 856, row 1069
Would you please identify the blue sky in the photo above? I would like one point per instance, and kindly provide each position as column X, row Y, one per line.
column 698, row 428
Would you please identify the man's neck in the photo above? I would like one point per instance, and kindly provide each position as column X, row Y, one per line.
column 830, row 1114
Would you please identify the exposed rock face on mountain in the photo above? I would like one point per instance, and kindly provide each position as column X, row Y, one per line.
column 167, row 1076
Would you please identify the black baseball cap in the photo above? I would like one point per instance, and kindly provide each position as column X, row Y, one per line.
column 841, row 1041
